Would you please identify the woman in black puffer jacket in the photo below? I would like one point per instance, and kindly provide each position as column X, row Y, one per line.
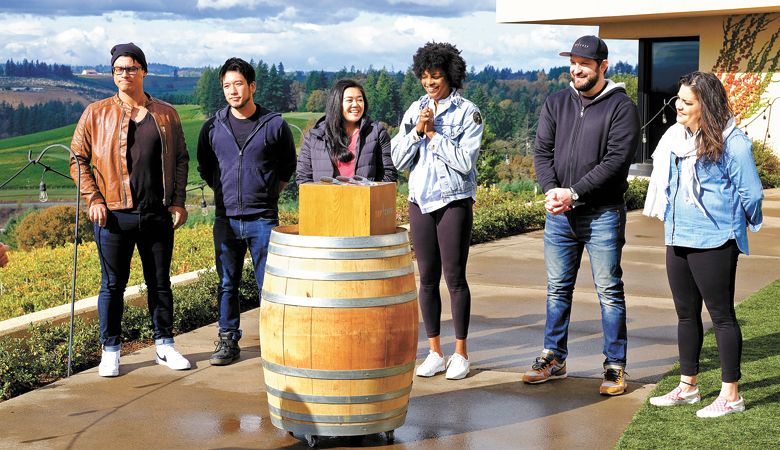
column 345, row 141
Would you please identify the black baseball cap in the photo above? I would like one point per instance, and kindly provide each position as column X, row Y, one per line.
column 588, row 47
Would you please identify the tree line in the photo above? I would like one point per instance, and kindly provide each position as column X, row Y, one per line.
column 510, row 100
column 36, row 69
column 16, row 121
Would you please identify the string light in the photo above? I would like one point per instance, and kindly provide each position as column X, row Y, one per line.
column 43, row 197
column 660, row 112
column 204, row 206
column 765, row 114
column 663, row 114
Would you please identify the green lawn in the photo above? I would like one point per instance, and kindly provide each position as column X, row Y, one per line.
column 13, row 154
column 757, row 427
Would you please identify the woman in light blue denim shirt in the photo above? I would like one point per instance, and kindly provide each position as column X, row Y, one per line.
column 706, row 189
column 438, row 142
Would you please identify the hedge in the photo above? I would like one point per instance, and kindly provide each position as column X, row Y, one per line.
column 41, row 357
column 41, row 278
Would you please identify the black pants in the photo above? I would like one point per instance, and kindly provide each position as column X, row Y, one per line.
column 708, row 274
column 152, row 233
column 441, row 241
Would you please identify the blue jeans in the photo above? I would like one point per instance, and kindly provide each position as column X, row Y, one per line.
column 152, row 233
column 233, row 236
column 602, row 232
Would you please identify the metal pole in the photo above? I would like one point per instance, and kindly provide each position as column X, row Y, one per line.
column 75, row 244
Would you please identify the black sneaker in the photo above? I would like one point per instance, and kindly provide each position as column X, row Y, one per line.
column 227, row 349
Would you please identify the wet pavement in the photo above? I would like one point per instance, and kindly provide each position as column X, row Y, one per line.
column 150, row 406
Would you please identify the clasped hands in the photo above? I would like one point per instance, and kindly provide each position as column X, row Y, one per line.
column 425, row 123
column 558, row 201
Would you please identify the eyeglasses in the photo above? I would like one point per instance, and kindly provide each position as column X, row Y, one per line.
column 131, row 70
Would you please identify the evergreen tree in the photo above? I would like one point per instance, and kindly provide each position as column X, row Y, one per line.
column 383, row 99
column 410, row 90
column 262, row 80
column 208, row 92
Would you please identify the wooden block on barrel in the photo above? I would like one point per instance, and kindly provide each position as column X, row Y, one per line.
column 346, row 210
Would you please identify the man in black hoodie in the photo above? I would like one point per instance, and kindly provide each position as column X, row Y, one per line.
column 585, row 142
column 246, row 154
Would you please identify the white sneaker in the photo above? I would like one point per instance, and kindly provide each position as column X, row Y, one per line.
column 168, row 356
column 676, row 397
column 457, row 367
column 109, row 364
column 721, row 407
column 432, row 365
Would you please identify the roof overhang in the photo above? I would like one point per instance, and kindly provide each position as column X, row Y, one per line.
column 570, row 12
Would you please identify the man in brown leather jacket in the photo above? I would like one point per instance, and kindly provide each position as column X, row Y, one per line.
column 133, row 167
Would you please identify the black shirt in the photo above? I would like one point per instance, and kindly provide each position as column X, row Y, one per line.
column 585, row 100
column 242, row 128
column 144, row 164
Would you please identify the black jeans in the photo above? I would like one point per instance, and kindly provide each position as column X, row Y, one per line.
column 441, row 240
column 153, row 234
column 708, row 275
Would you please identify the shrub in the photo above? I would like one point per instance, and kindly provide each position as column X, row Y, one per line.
column 41, row 357
column 8, row 236
column 402, row 208
column 52, row 227
column 499, row 214
column 41, row 278
column 636, row 193
column 519, row 185
column 767, row 164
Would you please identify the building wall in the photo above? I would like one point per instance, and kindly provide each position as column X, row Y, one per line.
column 599, row 12
column 710, row 31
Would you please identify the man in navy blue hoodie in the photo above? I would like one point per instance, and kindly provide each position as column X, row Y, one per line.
column 246, row 154
column 585, row 142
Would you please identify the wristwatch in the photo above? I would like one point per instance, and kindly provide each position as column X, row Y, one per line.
column 574, row 195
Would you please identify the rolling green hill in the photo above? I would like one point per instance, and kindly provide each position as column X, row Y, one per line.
column 13, row 155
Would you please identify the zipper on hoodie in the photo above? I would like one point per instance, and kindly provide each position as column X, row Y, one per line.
column 241, row 158
column 574, row 136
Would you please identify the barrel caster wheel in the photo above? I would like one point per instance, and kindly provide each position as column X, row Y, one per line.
column 390, row 436
column 312, row 439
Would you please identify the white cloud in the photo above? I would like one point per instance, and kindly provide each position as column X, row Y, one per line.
column 224, row 4
column 367, row 39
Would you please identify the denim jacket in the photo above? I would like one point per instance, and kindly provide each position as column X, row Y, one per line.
column 442, row 169
column 730, row 197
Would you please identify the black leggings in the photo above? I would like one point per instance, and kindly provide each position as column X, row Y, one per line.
column 441, row 240
column 709, row 273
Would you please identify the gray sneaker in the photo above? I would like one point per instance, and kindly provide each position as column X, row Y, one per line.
column 227, row 349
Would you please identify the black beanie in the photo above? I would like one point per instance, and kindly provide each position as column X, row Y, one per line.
column 131, row 50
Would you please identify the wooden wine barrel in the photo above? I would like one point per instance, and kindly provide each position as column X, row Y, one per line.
column 338, row 330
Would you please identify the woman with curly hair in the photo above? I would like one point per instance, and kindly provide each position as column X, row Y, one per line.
column 345, row 141
column 438, row 142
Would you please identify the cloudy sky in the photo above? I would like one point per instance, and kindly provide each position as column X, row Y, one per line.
column 303, row 34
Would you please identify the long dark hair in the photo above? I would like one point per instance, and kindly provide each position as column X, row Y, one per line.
column 336, row 136
column 715, row 113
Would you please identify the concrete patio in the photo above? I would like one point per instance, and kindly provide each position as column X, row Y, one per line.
column 150, row 406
